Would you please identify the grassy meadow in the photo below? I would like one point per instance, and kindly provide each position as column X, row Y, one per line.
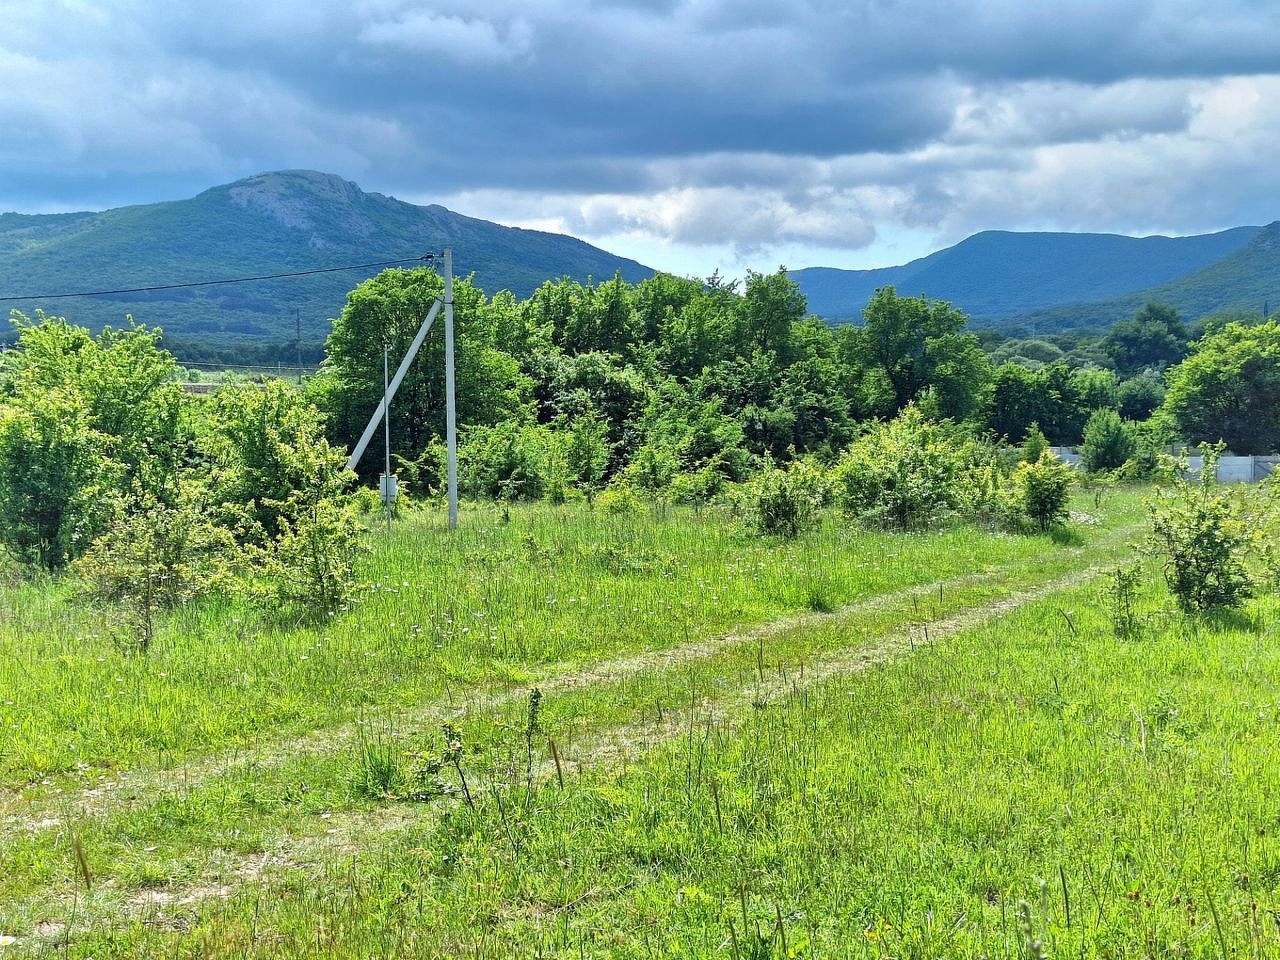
column 555, row 732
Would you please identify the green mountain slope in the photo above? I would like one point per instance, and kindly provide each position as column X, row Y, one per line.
column 996, row 275
column 1247, row 280
column 274, row 223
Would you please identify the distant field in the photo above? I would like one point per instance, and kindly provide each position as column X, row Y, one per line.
column 847, row 745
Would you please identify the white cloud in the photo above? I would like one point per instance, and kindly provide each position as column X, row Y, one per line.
column 464, row 39
column 751, row 128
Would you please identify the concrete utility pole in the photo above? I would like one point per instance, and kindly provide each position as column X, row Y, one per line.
column 451, row 404
column 381, row 414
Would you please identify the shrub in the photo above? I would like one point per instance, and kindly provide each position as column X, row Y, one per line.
column 1041, row 489
column 506, row 462
column 1109, row 442
column 1034, row 444
column 1203, row 539
column 619, row 499
column 785, row 502
column 906, row 474
column 154, row 556
column 52, row 479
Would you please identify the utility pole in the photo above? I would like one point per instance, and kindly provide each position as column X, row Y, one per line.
column 450, row 385
column 451, row 406
column 297, row 338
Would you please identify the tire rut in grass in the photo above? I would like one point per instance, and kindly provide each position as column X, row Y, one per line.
column 123, row 788
column 350, row 832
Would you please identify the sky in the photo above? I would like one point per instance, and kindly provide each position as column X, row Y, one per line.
column 691, row 136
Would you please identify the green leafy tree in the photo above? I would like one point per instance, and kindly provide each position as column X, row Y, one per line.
column 80, row 418
column 587, row 453
column 389, row 308
column 1155, row 337
column 1140, row 395
column 54, row 477
column 916, row 345
column 1109, row 442
column 1229, row 389
column 771, row 305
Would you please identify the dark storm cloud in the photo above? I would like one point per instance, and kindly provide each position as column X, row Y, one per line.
column 904, row 110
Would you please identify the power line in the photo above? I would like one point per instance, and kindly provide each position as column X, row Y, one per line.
column 430, row 257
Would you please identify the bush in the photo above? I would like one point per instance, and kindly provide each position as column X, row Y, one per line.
column 619, row 499
column 1034, row 444
column 1203, row 540
column 506, row 462
column 53, row 478
column 784, row 503
column 907, row 474
column 1041, row 489
column 1109, row 442
column 155, row 556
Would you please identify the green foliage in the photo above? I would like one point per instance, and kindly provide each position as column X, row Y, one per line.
column 1041, row 490
column 53, row 477
column 1121, row 592
column 154, row 556
column 784, row 503
column 906, row 474
column 1034, row 444
column 1109, row 442
column 389, row 309
column 586, row 451
column 1229, row 389
column 312, row 557
column 1139, row 396
column 1049, row 396
column 1155, row 337
column 619, row 499
column 101, row 452
column 1199, row 532
column 916, row 344
column 80, row 417
column 508, row 462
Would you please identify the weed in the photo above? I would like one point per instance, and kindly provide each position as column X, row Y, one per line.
column 378, row 772
column 1121, row 589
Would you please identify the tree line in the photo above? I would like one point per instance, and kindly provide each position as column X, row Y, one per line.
column 670, row 389
column 672, row 377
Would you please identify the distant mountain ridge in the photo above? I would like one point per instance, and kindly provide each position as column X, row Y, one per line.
column 998, row 276
column 281, row 222
column 1245, row 281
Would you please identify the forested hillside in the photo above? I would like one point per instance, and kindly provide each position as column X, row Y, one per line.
column 275, row 223
column 996, row 275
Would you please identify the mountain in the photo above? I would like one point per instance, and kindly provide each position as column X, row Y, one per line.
column 1247, row 280
column 284, row 222
column 998, row 275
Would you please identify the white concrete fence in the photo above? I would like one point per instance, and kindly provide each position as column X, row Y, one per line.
column 1230, row 469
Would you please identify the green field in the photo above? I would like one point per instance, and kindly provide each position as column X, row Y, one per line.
column 850, row 744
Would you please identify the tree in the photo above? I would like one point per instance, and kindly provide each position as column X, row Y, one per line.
column 1229, row 389
column 771, row 305
column 1139, row 396
column 917, row 344
column 80, row 418
column 1108, row 442
column 53, row 477
column 1155, row 337
column 389, row 308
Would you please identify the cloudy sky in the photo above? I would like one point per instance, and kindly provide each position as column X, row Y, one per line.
column 689, row 135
